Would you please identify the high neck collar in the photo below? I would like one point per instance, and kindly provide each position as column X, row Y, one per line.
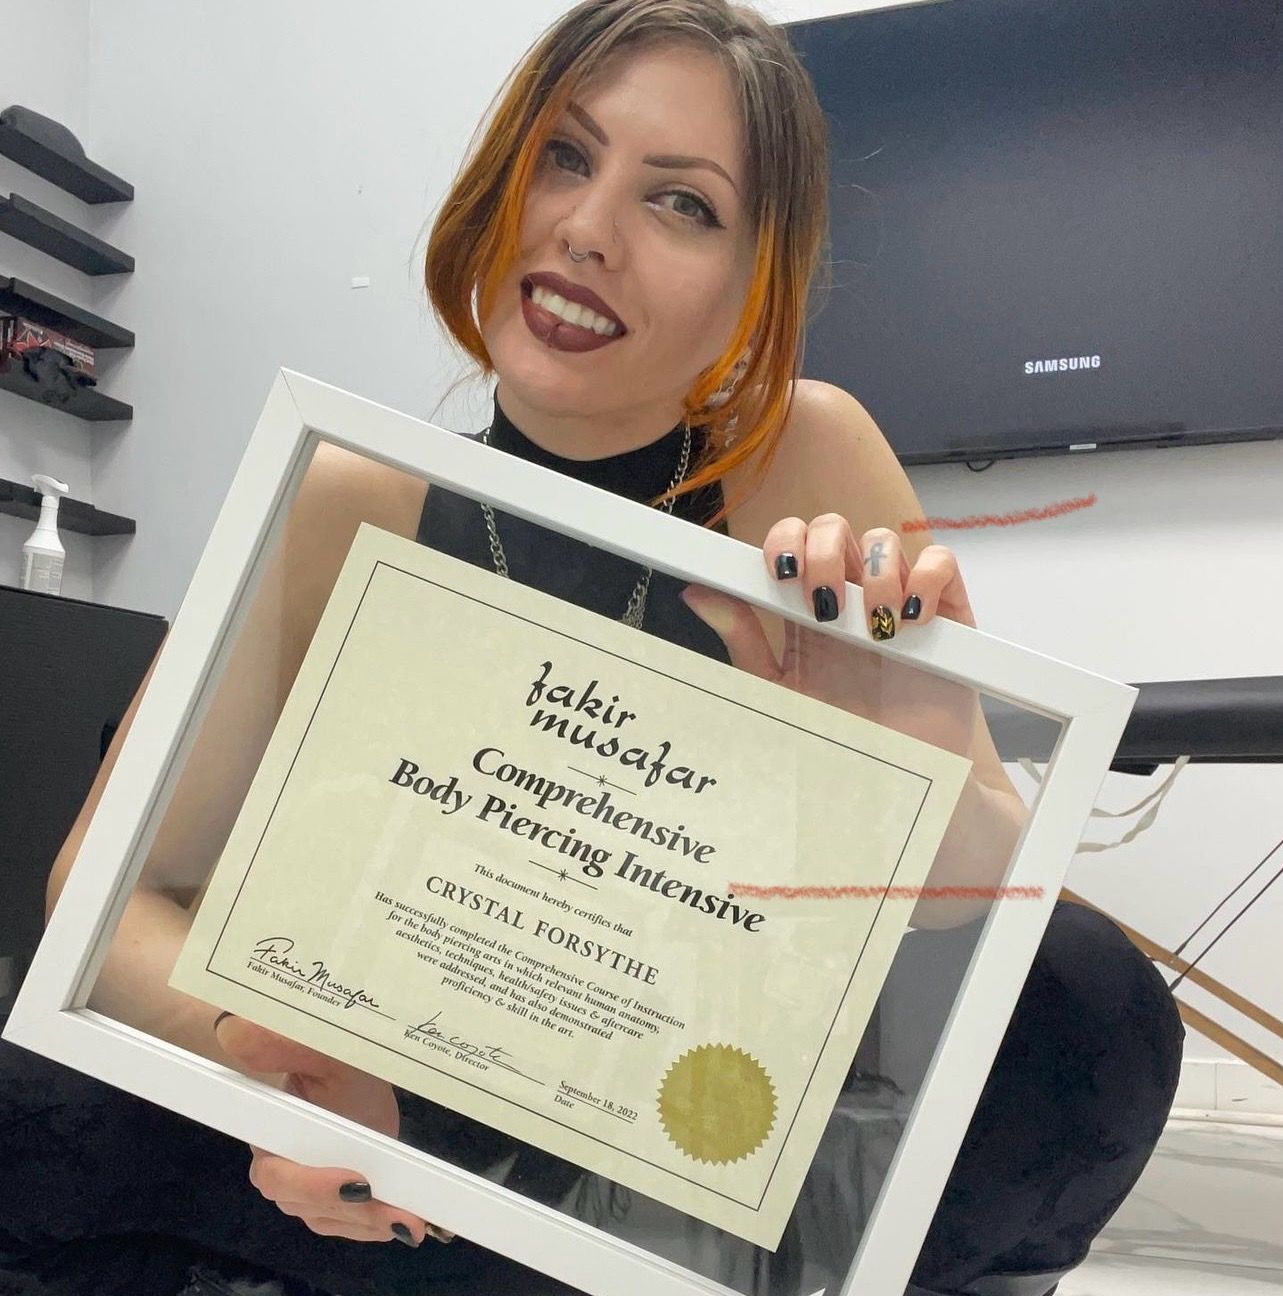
column 639, row 474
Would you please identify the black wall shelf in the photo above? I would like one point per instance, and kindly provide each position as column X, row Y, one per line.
column 86, row 403
column 48, row 149
column 53, row 152
column 40, row 307
column 60, row 239
column 73, row 515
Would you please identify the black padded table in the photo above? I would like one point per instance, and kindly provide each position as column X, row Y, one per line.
column 1222, row 721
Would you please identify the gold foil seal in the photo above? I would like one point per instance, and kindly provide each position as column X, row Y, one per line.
column 717, row 1103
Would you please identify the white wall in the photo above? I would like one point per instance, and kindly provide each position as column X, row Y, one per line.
column 46, row 69
column 277, row 151
column 280, row 150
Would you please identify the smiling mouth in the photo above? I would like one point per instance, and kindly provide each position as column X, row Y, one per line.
column 545, row 314
column 572, row 314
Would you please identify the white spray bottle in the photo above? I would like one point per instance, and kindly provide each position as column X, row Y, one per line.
column 43, row 554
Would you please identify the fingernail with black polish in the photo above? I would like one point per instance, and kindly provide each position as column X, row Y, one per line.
column 356, row 1191
column 912, row 608
column 403, row 1234
column 826, row 603
column 881, row 622
column 786, row 566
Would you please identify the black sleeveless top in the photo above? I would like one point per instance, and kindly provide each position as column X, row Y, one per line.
column 569, row 569
column 593, row 579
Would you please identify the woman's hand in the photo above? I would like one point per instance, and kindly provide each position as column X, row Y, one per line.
column 986, row 823
column 819, row 558
column 331, row 1202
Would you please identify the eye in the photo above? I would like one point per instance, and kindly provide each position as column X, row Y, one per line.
column 703, row 211
column 559, row 148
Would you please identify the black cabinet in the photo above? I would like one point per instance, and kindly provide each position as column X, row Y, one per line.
column 68, row 672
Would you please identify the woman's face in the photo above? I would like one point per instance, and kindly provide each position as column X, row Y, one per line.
column 645, row 173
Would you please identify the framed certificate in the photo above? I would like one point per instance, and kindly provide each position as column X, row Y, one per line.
column 675, row 971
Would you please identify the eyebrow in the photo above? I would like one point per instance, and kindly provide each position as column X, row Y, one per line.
column 670, row 161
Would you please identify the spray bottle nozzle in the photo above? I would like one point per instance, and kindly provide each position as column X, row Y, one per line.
column 47, row 485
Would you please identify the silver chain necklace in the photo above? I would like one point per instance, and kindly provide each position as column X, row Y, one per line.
column 636, row 608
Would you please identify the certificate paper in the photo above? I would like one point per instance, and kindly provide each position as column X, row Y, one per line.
column 617, row 899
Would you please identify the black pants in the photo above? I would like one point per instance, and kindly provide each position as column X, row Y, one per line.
column 109, row 1194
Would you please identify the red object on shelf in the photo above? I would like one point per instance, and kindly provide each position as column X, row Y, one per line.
column 18, row 335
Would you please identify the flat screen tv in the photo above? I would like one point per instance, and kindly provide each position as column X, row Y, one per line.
column 1057, row 225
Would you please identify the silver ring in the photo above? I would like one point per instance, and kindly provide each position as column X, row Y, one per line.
column 577, row 256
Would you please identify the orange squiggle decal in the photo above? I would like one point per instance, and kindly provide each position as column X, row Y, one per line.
column 998, row 519
column 896, row 893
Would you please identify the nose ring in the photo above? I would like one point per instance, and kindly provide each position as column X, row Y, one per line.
column 576, row 256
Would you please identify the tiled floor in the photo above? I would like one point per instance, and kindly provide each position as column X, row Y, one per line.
column 1206, row 1217
column 1130, row 1276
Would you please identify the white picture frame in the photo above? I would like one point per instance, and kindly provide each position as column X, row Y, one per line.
column 50, row 1016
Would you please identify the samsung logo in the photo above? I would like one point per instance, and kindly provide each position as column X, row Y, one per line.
column 1061, row 364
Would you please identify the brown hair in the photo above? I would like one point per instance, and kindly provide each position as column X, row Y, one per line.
column 475, row 235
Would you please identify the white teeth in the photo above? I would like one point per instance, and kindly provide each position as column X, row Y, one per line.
column 573, row 312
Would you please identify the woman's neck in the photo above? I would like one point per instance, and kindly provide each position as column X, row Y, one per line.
column 589, row 436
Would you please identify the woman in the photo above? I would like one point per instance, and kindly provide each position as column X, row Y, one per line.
column 628, row 251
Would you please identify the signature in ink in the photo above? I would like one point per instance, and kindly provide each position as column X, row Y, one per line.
column 488, row 1052
column 276, row 951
